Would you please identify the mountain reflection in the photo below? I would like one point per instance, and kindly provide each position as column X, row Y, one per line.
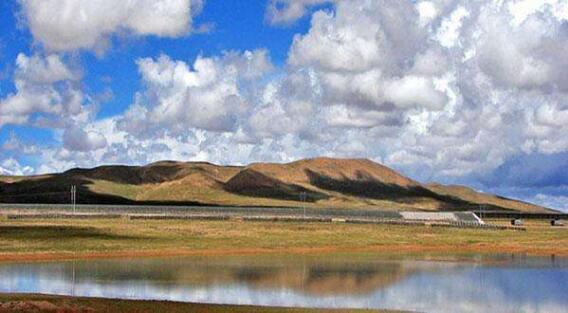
column 454, row 285
column 327, row 278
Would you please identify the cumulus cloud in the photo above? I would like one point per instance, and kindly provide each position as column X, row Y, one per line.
column 558, row 202
column 414, row 91
column 207, row 95
column 46, row 88
column 364, row 52
column 11, row 167
column 75, row 24
column 528, row 55
column 76, row 139
column 288, row 11
column 353, row 117
column 49, row 69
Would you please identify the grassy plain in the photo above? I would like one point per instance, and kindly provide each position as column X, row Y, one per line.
column 56, row 239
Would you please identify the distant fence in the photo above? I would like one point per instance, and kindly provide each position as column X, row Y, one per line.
column 224, row 210
column 507, row 214
column 235, row 211
column 268, row 218
column 60, row 216
column 139, row 212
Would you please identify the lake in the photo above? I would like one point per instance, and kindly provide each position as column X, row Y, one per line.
column 425, row 283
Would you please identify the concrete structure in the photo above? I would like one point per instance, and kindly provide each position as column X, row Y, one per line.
column 517, row 222
column 442, row 216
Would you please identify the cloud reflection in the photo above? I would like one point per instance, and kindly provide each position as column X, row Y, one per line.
column 524, row 286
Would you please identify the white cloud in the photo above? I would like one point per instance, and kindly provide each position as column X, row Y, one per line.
column 288, row 11
column 339, row 42
column 557, row 202
column 45, row 86
column 414, row 91
column 521, row 9
column 208, row 95
column 449, row 31
column 432, row 62
column 44, row 70
column 76, row 139
column 363, row 55
column 11, row 167
column 427, row 11
column 63, row 25
column 530, row 55
column 275, row 118
column 348, row 116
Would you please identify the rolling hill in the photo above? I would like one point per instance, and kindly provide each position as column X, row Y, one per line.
column 319, row 182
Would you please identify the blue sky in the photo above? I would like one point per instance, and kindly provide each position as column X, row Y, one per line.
column 234, row 26
column 449, row 91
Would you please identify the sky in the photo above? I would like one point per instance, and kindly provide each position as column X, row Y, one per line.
column 453, row 91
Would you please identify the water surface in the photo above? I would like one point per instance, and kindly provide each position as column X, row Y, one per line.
column 499, row 283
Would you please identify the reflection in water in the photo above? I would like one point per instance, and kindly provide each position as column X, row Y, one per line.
column 502, row 283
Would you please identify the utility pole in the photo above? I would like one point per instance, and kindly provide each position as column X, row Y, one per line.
column 74, row 198
column 303, row 197
column 481, row 208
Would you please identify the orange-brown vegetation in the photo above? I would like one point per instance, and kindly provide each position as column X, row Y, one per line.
column 319, row 182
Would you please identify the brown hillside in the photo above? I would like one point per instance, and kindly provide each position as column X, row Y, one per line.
column 154, row 173
column 324, row 178
column 253, row 183
column 298, row 172
column 319, row 182
column 485, row 199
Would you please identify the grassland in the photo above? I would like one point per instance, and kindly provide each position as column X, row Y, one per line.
column 55, row 239
column 44, row 303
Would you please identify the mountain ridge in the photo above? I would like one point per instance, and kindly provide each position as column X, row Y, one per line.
column 316, row 182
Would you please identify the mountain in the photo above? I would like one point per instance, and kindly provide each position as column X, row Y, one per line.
column 319, row 182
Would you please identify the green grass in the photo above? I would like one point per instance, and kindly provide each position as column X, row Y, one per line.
column 119, row 235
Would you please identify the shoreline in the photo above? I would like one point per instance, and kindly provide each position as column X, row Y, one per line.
column 33, row 302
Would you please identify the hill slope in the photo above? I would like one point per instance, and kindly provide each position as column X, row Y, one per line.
column 320, row 182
